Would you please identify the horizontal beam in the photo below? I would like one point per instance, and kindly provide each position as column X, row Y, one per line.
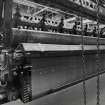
column 58, row 48
column 27, row 36
column 27, row 3
column 40, row 11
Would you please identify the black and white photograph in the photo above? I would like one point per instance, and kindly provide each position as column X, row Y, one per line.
column 52, row 52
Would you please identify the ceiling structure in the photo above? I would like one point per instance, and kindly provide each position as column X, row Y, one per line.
column 35, row 9
column 40, row 9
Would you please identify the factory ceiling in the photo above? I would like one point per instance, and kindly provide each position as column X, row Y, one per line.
column 36, row 9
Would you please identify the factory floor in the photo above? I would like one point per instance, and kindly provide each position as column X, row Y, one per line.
column 71, row 96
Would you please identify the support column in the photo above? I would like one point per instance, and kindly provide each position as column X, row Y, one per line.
column 8, row 22
column 1, row 10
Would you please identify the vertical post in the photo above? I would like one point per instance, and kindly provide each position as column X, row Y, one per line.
column 98, row 56
column 1, row 9
column 83, row 63
column 8, row 22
